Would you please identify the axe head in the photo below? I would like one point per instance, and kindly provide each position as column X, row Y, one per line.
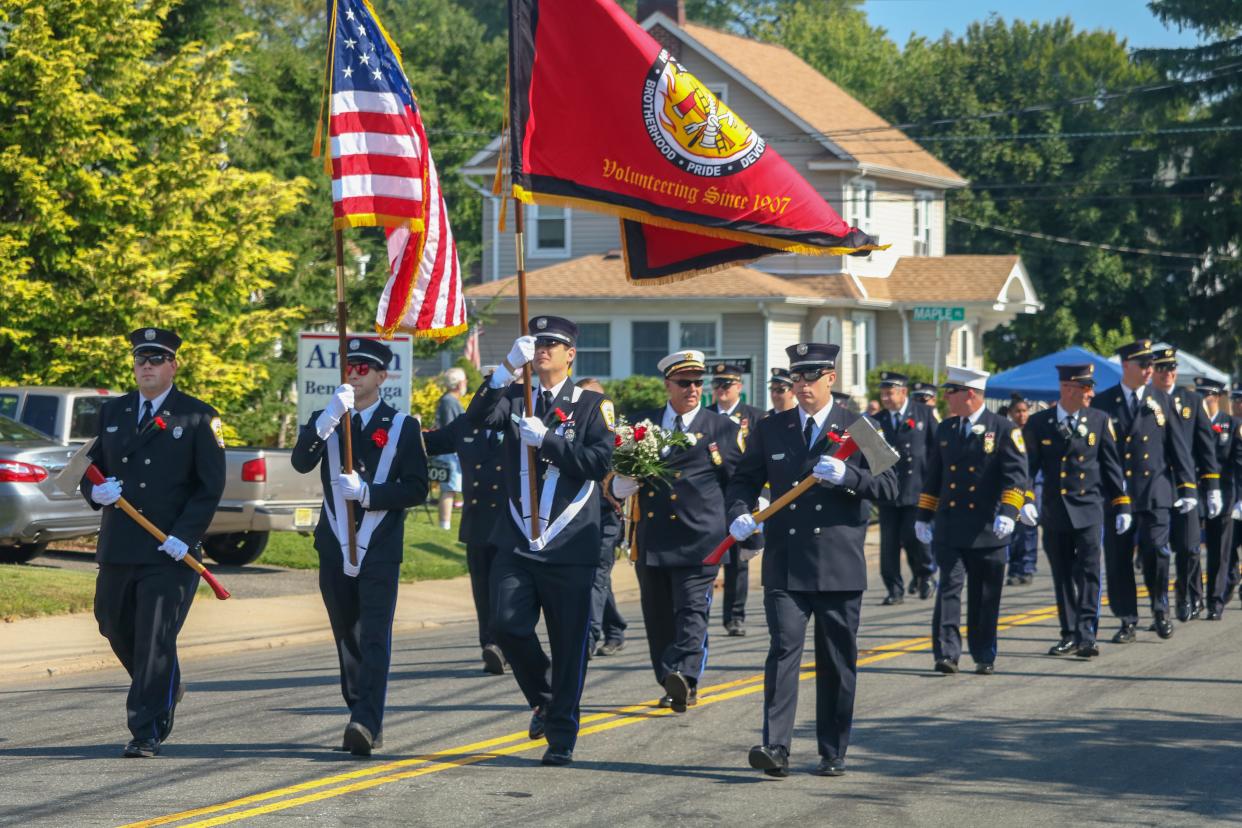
column 70, row 477
column 880, row 455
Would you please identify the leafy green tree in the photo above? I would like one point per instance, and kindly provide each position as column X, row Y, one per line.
column 633, row 394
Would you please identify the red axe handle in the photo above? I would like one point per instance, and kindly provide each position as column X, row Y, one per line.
column 847, row 448
column 96, row 476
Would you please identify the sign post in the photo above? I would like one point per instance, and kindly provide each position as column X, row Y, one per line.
column 938, row 314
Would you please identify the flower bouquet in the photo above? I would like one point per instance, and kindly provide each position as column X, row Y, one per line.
column 642, row 448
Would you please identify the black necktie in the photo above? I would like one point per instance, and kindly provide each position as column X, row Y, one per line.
column 145, row 419
column 808, row 431
column 1134, row 403
column 356, row 421
column 965, row 427
column 677, row 424
column 544, row 405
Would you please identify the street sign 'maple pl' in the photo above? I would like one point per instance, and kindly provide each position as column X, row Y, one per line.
column 939, row 313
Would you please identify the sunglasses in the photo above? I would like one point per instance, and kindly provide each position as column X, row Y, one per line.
column 1165, row 369
column 153, row 359
column 547, row 343
column 683, row 383
column 359, row 368
column 809, row 376
column 779, row 389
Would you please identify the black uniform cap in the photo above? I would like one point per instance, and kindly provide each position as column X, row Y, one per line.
column 727, row 370
column 368, row 350
column 781, row 376
column 1139, row 349
column 1164, row 356
column 892, row 379
column 553, row 327
column 1207, row 385
column 922, row 389
column 157, row 340
column 812, row 355
column 1236, row 394
column 1083, row 374
column 841, row 397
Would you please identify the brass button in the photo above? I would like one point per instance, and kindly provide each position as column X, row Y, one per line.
column 473, row 500
column 793, row 531
column 651, row 493
column 1064, row 492
column 952, row 502
column 1146, row 456
column 478, row 465
column 1144, row 438
column 147, row 461
column 793, row 506
column 971, row 469
column 476, row 484
column 1064, row 473
column 1082, row 475
column 816, row 530
column 498, row 468
column 972, row 488
column 952, row 485
column 1129, row 473
column 672, row 517
column 952, row 468
column 672, row 497
column 142, row 485
column 495, row 487
column 1081, row 458
column 971, row 505
column 818, row 506
column 651, row 514
column 124, row 459
column 1127, row 455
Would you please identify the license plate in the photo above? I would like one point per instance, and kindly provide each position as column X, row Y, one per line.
column 303, row 516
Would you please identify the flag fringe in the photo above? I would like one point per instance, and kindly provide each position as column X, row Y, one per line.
column 376, row 220
column 418, row 333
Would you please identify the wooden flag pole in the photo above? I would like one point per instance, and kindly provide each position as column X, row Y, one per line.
column 519, row 228
column 342, row 327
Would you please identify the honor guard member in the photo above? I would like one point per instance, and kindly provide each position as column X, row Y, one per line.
column 911, row 429
column 1185, row 532
column 680, row 522
column 780, row 391
column 975, row 486
column 814, row 563
column 1075, row 447
column 923, row 393
column 1218, row 531
column 389, row 476
column 1159, row 479
column 727, row 392
column 166, row 450
column 571, row 431
column 483, row 504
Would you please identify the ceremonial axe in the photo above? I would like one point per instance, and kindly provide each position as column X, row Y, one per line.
column 863, row 436
column 70, row 477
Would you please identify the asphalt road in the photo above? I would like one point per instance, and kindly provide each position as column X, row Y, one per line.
column 1149, row 734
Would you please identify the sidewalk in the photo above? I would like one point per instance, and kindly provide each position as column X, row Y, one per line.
column 40, row 647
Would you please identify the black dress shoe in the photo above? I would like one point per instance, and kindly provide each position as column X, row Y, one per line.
column 142, row 749
column 678, row 689
column 914, row 586
column 735, row 629
column 830, row 767
column 926, row 587
column 1213, row 615
column 1012, row 580
column 666, row 701
column 1027, row 579
column 358, row 739
column 1164, row 627
column 610, row 648
column 771, row 759
column 1125, row 635
column 493, row 660
column 984, row 669
column 1196, row 610
column 557, row 756
column 693, row 698
column 1183, row 613
column 894, row 599
column 947, row 666
column 538, row 723
column 1064, row 647
column 1087, row 650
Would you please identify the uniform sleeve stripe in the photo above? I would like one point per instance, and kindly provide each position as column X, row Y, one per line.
column 1187, row 486
column 1014, row 498
column 1209, row 477
column 1124, row 500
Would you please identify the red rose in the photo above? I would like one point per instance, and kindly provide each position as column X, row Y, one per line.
column 833, row 437
column 380, row 437
column 160, row 424
column 1216, row 427
column 561, row 415
column 909, row 422
column 640, row 432
column 617, row 439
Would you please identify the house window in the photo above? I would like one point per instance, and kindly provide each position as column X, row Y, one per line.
column 864, row 348
column 594, row 350
column 649, row 345
column 922, row 223
column 963, row 347
column 701, row 336
column 549, row 228
column 861, row 196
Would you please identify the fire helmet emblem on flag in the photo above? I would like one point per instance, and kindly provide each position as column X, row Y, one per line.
column 691, row 127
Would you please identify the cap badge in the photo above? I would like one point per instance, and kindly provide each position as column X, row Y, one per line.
column 541, row 323
column 148, row 334
column 353, row 346
column 720, row 367
column 802, row 349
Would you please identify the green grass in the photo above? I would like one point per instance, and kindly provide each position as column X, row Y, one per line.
column 31, row 591
column 431, row 554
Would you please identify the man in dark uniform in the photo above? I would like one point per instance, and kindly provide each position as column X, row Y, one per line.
column 1227, row 443
column 780, row 391
column 680, row 522
column 483, row 505
column 974, row 489
column 1157, row 464
column 1185, row 532
column 1076, row 449
column 389, row 476
column 911, row 429
column 166, row 449
column 607, row 624
column 571, row 431
column 814, row 562
column 727, row 392
column 923, row 393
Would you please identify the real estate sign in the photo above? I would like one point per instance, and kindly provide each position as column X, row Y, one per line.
column 319, row 373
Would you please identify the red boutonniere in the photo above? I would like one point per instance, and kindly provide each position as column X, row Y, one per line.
column 909, row 422
column 561, row 415
column 640, row 432
column 1216, row 427
column 835, row 438
column 159, row 423
column 380, row 437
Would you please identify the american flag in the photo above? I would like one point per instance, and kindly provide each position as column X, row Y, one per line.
column 383, row 175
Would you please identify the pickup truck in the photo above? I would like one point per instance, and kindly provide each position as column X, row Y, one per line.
column 262, row 492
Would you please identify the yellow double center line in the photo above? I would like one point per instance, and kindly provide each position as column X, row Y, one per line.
column 328, row 787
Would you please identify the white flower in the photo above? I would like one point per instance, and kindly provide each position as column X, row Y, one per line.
column 694, row 441
column 977, row 429
column 1082, row 429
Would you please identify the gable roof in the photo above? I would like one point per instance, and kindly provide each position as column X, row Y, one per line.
column 965, row 278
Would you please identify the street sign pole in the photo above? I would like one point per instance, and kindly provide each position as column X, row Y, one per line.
column 936, row 358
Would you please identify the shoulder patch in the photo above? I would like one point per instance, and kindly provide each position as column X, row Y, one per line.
column 217, row 428
column 741, row 440
column 609, row 413
column 1112, row 432
column 1016, row 434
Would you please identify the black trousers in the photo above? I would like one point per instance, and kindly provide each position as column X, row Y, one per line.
column 140, row 609
column 360, row 611
column 836, row 665
column 676, row 601
column 479, row 561
column 982, row 573
column 607, row 623
column 896, row 534
column 521, row 588
column 1074, row 556
column 1185, row 534
column 1233, row 574
column 1220, row 532
column 1150, row 534
column 736, row 587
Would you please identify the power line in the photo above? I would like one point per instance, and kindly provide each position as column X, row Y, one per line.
column 1115, row 248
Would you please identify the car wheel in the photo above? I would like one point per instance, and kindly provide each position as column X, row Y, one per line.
column 236, row 548
column 21, row 553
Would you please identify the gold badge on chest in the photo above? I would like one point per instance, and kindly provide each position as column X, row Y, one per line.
column 989, row 442
column 1091, row 438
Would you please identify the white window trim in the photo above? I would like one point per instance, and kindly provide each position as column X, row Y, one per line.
column 869, row 356
column 623, row 341
column 854, row 203
column 532, row 231
column 964, row 360
column 611, row 349
column 927, row 199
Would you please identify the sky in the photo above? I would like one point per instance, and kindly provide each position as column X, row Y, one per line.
column 1130, row 19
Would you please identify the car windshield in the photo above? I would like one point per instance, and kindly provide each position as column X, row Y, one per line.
column 12, row 431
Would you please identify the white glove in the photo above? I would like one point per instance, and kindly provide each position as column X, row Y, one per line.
column 174, row 548
column 353, row 488
column 107, row 492
column 923, row 531
column 1215, row 504
column 743, row 526
column 532, row 430
column 1236, row 514
column 1002, row 526
column 829, row 470
column 1029, row 514
column 1184, row 505
column 623, row 486
column 341, row 401
column 522, row 352
column 1123, row 523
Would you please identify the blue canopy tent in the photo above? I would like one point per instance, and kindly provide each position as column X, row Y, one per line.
column 1037, row 379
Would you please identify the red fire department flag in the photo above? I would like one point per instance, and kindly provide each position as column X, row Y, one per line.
column 601, row 117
